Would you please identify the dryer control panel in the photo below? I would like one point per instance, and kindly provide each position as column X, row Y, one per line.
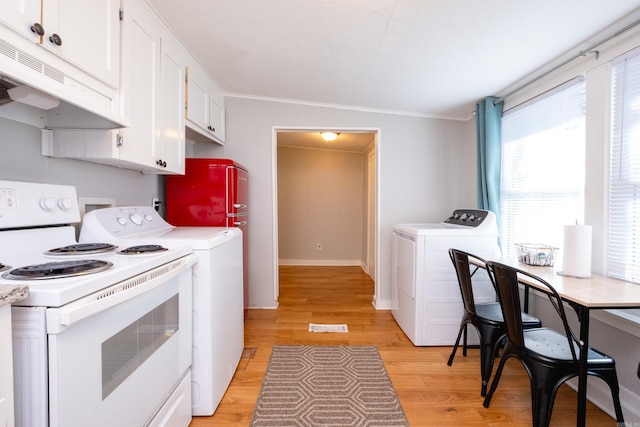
column 468, row 217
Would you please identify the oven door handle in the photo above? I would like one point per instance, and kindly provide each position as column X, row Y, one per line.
column 59, row 319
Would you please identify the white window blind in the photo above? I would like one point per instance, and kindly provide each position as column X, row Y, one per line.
column 623, row 252
column 542, row 175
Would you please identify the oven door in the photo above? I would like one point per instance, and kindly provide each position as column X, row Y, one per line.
column 116, row 356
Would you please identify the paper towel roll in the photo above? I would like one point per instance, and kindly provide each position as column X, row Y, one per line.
column 576, row 259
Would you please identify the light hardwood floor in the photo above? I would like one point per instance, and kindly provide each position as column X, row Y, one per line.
column 431, row 393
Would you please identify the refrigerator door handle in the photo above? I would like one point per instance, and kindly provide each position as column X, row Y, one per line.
column 239, row 206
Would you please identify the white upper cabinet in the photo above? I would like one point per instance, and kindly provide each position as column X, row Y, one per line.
column 204, row 106
column 171, row 134
column 161, row 90
column 141, row 85
column 152, row 92
column 86, row 33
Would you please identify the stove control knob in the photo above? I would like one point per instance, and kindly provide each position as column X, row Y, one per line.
column 65, row 203
column 136, row 219
column 47, row 203
column 148, row 218
column 122, row 221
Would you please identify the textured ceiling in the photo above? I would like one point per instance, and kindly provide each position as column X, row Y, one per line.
column 425, row 57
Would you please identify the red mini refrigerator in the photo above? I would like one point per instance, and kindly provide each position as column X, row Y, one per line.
column 211, row 193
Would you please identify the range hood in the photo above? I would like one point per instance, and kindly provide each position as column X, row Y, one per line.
column 69, row 104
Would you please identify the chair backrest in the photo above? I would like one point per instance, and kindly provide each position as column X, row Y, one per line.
column 506, row 279
column 460, row 260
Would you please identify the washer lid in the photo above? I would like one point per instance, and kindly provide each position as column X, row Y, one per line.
column 470, row 222
column 440, row 229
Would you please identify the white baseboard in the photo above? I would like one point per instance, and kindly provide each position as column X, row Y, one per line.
column 382, row 304
column 321, row 262
column 599, row 393
column 625, row 320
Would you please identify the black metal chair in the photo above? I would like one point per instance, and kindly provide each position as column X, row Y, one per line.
column 549, row 357
column 485, row 317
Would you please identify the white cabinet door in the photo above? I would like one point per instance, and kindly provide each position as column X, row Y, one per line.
column 21, row 16
column 85, row 33
column 216, row 113
column 153, row 93
column 197, row 109
column 140, row 86
column 171, row 133
column 205, row 106
column 6, row 367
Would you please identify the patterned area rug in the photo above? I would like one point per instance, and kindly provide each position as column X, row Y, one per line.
column 327, row 386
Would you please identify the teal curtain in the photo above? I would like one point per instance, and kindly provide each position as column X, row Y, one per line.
column 489, row 141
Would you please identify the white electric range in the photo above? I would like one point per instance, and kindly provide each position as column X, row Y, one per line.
column 100, row 321
column 218, row 303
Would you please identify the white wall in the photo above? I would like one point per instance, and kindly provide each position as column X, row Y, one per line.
column 21, row 160
column 420, row 176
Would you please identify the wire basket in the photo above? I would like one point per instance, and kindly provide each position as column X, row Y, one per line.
column 536, row 254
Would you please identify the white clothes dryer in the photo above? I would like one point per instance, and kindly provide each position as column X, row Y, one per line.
column 427, row 304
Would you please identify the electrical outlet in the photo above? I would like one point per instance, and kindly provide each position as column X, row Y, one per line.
column 319, row 246
column 155, row 203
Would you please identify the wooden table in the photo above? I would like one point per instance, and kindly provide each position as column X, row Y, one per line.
column 584, row 295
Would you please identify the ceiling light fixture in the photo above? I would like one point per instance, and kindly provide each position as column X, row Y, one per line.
column 329, row 136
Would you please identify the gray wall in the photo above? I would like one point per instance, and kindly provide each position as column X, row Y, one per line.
column 21, row 160
column 420, row 173
column 420, row 176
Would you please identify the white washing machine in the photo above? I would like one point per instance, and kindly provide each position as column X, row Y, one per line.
column 218, row 306
column 427, row 301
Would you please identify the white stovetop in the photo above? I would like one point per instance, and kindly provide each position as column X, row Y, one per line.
column 27, row 247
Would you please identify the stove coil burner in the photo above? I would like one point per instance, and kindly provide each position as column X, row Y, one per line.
column 56, row 270
column 82, row 249
column 142, row 249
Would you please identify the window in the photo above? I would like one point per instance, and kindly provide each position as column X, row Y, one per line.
column 623, row 252
column 543, row 164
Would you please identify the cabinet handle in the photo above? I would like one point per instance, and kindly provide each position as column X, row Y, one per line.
column 38, row 29
column 161, row 163
column 211, row 128
column 55, row 39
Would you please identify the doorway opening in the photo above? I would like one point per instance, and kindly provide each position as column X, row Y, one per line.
column 326, row 199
